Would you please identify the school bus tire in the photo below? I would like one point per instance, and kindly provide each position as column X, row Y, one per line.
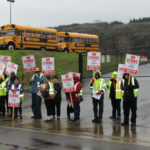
column 66, row 50
column 43, row 49
column 11, row 46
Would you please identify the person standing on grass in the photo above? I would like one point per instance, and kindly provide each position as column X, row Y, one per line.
column 35, row 82
column 57, row 98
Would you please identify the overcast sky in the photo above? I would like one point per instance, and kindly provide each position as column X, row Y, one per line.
column 43, row 13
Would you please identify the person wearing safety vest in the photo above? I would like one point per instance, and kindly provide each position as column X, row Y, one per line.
column 129, row 86
column 98, row 87
column 18, row 87
column 48, row 88
column 36, row 80
column 115, row 94
column 74, row 97
column 6, row 79
column 2, row 95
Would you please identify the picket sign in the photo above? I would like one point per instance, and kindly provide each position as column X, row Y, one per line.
column 13, row 100
column 108, row 58
column 103, row 58
column 5, row 59
column 75, row 74
column 132, row 64
column 121, row 68
column 29, row 63
column 93, row 61
column 11, row 67
column 48, row 65
column 68, row 85
column 2, row 67
column 144, row 58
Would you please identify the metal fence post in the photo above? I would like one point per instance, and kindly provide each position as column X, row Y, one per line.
column 81, row 65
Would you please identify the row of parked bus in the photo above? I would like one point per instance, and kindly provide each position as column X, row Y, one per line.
column 14, row 36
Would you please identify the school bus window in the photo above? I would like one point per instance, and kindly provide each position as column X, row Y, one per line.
column 72, row 40
column 95, row 41
column 8, row 33
column 85, row 41
column 53, row 36
column 88, row 41
column 81, row 40
column 78, row 40
column 48, row 36
column 38, row 34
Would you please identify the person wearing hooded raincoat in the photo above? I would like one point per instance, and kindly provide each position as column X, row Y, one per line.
column 98, row 86
column 129, row 86
column 75, row 98
column 115, row 94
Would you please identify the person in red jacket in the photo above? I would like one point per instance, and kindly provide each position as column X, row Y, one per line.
column 75, row 98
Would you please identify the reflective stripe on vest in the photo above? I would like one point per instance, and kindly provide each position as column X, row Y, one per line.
column 80, row 93
column 21, row 95
column 51, row 88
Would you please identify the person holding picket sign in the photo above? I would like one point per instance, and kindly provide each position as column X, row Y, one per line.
column 36, row 80
column 115, row 94
column 99, row 87
column 74, row 96
column 48, row 94
column 129, row 86
column 18, row 87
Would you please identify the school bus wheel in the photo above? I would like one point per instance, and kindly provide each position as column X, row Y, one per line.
column 66, row 50
column 11, row 46
column 43, row 49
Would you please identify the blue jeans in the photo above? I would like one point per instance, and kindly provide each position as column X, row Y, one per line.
column 36, row 105
column 76, row 110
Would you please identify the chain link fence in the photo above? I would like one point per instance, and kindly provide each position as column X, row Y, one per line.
column 116, row 57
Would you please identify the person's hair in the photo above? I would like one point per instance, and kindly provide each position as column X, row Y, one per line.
column 55, row 77
column 48, row 77
column 17, row 78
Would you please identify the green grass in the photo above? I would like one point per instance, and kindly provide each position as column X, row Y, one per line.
column 64, row 63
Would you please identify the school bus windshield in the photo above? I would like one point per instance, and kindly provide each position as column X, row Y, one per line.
column 7, row 33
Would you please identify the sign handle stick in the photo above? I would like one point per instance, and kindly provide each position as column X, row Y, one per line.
column 71, row 100
column 129, row 80
column 13, row 113
column 93, row 74
column 30, row 75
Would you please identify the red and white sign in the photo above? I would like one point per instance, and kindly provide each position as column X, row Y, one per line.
column 74, row 74
column 48, row 65
column 11, row 67
column 144, row 58
column 14, row 99
column 121, row 68
column 29, row 63
column 93, row 61
column 132, row 64
column 5, row 59
column 103, row 58
column 68, row 83
column 2, row 67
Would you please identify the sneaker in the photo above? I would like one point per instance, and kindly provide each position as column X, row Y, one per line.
column 125, row 123
column 33, row 117
column 95, row 120
column 58, row 117
column 118, row 117
column 75, row 120
column 133, row 124
column 99, row 121
column 38, row 117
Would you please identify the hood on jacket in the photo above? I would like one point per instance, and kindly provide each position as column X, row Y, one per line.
column 97, row 71
column 125, row 75
column 114, row 73
column 76, row 79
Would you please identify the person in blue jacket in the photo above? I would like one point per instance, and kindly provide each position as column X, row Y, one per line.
column 37, row 79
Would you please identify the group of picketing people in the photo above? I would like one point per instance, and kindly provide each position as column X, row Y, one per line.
column 48, row 88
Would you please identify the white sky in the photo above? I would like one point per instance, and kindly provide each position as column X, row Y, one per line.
column 43, row 13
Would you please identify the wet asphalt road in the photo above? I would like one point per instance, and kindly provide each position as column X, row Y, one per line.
column 63, row 134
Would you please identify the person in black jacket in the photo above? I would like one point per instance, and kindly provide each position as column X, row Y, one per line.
column 130, row 87
column 57, row 99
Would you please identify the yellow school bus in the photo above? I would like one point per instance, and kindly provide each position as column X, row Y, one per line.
column 77, row 42
column 14, row 36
